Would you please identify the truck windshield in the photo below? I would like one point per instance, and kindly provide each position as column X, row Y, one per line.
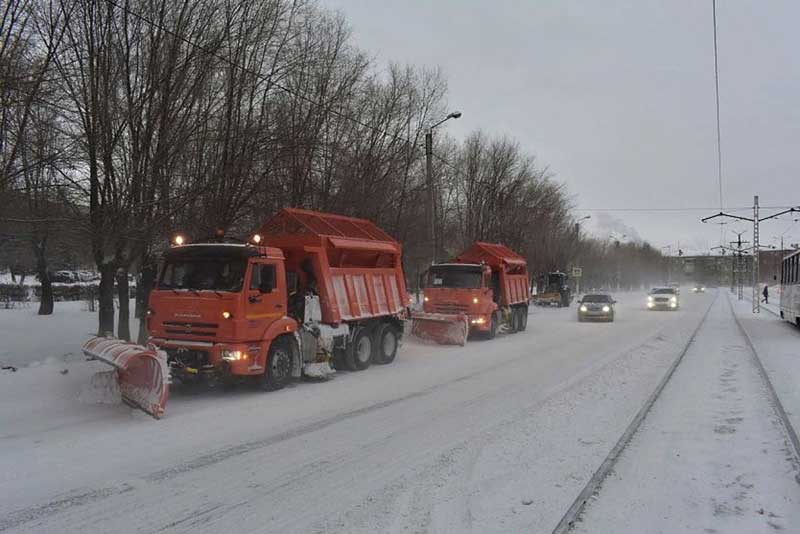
column 455, row 277
column 216, row 274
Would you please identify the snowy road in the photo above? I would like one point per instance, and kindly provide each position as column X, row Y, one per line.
column 495, row 437
column 712, row 455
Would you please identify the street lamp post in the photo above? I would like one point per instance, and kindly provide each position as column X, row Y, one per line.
column 431, row 213
column 578, row 245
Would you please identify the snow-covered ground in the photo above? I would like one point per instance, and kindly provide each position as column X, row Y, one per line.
column 498, row 436
column 28, row 338
column 711, row 456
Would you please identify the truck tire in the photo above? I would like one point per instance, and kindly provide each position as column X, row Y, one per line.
column 492, row 327
column 358, row 354
column 278, row 371
column 513, row 321
column 385, row 343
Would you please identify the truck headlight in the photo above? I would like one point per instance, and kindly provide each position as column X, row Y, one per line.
column 606, row 309
column 584, row 308
column 474, row 300
column 426, row 299
column 649, row 298
column 650, row 304
column 673, row 299
column 233, row 355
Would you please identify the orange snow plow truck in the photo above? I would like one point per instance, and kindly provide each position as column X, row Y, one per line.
column 311, row 289
column 481, row 290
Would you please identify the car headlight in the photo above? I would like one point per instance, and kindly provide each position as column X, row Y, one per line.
column 584, row 308
column 606, row 309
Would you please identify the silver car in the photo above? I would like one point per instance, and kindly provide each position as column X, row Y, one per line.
column 663, row 298
column 596, row 307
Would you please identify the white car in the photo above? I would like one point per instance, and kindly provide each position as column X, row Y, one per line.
column 663, row 298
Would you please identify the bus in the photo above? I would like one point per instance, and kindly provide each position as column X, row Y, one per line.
column 790, row 288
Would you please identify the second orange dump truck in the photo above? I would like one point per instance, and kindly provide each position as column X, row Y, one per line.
column 480, row 290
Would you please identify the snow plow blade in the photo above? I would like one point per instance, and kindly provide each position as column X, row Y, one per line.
column 442, row 328
column 142, row 372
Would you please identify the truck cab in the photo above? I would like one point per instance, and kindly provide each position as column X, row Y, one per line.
column 217, row 308
column 453, row 288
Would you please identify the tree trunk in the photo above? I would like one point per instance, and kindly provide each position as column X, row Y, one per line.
column 46, row 301
column 146, row 283
column 106, row 301
column 123, row 294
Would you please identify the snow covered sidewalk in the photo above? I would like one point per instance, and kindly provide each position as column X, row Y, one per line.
column 711, row 456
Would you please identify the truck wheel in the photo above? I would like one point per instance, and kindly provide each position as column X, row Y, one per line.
column 492, row 327
column 385, row 343
column 518, row 316
column 358, row 354
column 523, row 313
column 513, row 321
column 279, row 366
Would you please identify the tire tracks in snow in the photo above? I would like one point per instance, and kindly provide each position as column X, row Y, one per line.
column 80, row 498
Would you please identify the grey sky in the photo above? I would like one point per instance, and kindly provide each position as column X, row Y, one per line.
column 617, row 98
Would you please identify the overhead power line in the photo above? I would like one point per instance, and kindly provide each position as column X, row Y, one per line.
column 716, row 86
column 683, row 209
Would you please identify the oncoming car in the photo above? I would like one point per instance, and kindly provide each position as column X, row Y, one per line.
column 663, row 298
column 596, row 307
column 698, row 288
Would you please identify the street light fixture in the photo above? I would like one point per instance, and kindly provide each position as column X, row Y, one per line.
column 429, row 179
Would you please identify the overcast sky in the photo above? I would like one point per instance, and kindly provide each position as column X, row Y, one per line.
column 617, row 98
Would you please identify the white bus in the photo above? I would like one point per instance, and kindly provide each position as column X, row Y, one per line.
column 790, row 288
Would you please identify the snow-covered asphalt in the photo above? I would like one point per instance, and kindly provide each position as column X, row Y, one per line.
column 498, row 436
column 711, row 456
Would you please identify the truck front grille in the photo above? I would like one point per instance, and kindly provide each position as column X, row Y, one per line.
column 450, row 307
column 191, row 329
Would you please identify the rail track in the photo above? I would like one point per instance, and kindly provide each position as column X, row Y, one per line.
column 593, row 486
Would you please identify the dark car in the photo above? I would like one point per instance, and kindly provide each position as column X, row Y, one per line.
column 596, row 307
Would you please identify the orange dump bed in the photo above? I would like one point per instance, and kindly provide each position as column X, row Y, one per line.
column 510, row 268
column 353, row 265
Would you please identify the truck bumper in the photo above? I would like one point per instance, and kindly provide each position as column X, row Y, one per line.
column 193, row 361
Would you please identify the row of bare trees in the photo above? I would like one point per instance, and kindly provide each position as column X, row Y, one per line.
column 124, row 121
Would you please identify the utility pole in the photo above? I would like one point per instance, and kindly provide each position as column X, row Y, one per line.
column 756, row 220
column 756, row 245
column 431, row 208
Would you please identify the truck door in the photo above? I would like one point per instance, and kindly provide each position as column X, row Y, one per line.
column 266, row 297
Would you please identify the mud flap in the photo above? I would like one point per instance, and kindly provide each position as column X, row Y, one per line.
column 142, row 372
column 444, row 329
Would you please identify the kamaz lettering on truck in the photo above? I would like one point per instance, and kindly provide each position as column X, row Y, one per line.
column 310, row 290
